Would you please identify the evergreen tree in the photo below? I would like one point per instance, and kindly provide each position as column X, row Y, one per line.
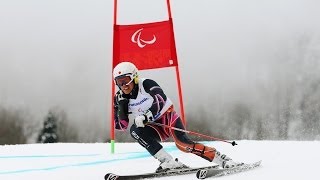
column 49, row 132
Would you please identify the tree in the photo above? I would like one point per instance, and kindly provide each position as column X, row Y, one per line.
column 12, row 126
column 49, row 132
column 66, row 130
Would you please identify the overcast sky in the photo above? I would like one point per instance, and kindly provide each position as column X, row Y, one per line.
column 58, row 53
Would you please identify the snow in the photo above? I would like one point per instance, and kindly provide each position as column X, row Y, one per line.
column 280, row 160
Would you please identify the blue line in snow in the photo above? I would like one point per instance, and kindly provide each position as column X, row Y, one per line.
column 131, row 155
column 48, row 156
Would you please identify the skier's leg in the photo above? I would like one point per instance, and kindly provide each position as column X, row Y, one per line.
column 149, row 137
column 184, row 143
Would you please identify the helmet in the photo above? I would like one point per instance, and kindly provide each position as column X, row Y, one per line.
column 126, row 69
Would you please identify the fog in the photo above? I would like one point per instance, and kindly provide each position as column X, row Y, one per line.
column 58, row 54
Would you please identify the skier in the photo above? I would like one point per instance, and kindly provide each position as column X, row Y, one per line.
column 146, row 101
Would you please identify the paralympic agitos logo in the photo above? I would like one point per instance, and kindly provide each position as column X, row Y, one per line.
column 136, row 38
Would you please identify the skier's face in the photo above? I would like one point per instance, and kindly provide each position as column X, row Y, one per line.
column 125, row 83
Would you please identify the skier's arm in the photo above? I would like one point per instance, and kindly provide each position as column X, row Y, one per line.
column 159, row 98
column 120, row 108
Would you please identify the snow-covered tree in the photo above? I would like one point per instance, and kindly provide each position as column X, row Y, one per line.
column 49, row 132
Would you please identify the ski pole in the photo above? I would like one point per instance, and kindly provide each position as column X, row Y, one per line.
column 194, row 133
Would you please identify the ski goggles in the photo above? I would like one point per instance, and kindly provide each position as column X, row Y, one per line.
column 123, row 81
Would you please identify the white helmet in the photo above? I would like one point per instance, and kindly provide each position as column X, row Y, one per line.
column 126, row 69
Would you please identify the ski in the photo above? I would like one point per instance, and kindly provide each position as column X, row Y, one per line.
column 173, row 172
column 205, row 173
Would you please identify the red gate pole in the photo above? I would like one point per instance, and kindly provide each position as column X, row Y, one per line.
column 112, row 134
column 177, row 71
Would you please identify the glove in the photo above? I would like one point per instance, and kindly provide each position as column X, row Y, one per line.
column 121, row 125
column 143, row 119
column 122, row 98
column 122, row 106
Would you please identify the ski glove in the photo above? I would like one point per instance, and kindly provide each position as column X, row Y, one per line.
column 122, row 106
column 121, row 125
column 143, row 119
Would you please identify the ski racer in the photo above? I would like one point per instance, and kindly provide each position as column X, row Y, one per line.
column 147, row 102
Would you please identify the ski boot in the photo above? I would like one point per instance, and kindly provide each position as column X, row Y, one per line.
column 224, row 161
column 167, row 162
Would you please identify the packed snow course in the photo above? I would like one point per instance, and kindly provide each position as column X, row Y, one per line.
column 280, row 160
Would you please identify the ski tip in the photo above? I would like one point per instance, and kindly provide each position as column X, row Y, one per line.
column 254, row 164
column 201, row 174
column 258, row 163
column 110, row 176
